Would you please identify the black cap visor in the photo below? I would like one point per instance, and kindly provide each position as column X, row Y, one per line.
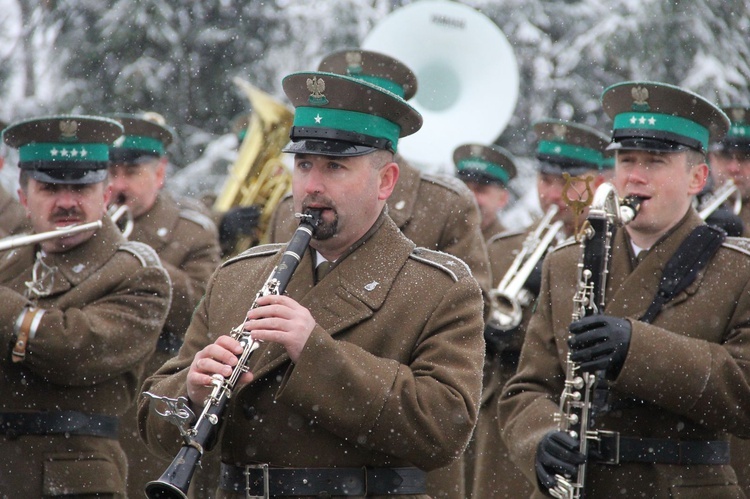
column 657, row 141
column 479, row 177
column 131, row 156
column 335, row 148
column 72, row 176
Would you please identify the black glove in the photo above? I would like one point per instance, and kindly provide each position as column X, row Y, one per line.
column 498, row 340
column 726, row 220
column 557, row 454
column 600, row 343
column 534, row 282
column 239, row 221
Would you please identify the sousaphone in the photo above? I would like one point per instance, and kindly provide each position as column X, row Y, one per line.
column 466, row 71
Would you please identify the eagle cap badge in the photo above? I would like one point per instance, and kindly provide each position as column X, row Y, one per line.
column 640, row 99
column 317, row 86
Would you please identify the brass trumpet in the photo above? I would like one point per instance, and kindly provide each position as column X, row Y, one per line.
column 14, row 242
column 509, row 298
column 712, row 202
column 122, row 217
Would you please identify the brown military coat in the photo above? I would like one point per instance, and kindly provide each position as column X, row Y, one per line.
column 686, row 376
column 103, row 316
column 438, row 213
column 384, row 380
column 492, row 230
column 13, row 218
column 489, row 470
column 187, row 243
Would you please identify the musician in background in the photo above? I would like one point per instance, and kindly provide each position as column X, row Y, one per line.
column 356, row 385
column 12, row 215
column 730, row 159
column 81, row 315
column 562, row 147
column 185, row 239
column 672, row 342
column 486, row 171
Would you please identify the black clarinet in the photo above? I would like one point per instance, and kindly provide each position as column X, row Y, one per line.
column 577, row 408
column 174, row 482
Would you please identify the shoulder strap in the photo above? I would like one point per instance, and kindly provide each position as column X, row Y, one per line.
column 681, row 270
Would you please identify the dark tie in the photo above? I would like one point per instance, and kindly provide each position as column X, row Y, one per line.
column 322, row 270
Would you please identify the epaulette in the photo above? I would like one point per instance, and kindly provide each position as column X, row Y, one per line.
column 740, row 244
column 143, row 252
column 262, row 250
column 198, row 218
column 564, row 244
column 506, row 234
column 450, row 183
column 453, row 266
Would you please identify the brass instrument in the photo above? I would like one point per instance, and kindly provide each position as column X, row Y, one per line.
column 717, row 198
column 509, row 298
column 175, row 481
column 14, row 242
column 258, row 176
column 122, row 216
column 576, row 414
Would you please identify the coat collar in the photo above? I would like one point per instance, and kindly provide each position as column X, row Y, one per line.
column 352, row 292
column 73, row 267
column 632, row 289
column 156, row 226
column 402, row 201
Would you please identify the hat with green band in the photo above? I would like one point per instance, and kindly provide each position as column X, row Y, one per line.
column 338, row 115
column 372, row 67
column 659, row 117
column 483, row 164
column 146, row 137
column 64, row 149
column 566, row 147
column 737, row 138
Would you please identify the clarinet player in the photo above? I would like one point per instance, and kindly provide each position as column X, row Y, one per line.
column 356, row 389
column 673, row 359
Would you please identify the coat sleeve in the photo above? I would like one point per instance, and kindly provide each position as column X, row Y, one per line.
column 111, row 334
column 530, row 398
column 423, row 411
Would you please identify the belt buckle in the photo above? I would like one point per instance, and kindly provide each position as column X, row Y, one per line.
column 266, row 481
column 615, row 437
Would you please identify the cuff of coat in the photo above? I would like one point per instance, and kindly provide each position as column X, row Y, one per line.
column 665, row 368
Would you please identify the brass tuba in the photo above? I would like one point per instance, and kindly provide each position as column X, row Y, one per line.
column 258, row 176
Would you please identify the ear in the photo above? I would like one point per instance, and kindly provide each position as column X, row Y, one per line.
column 698, row 178
column 24, row 201
column 388, row 178
column 161, row 171
column 107, row 196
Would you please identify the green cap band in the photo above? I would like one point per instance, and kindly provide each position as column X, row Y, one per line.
column 348, row 121
column 141, row 143
column 384, row 83
column 492, row 169
column 739, row 131
column 63, row 152
column 663, row 123
column 569, row 151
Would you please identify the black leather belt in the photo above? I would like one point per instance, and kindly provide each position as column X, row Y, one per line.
column 16, row 424
column 321, row 482
column 614, row 449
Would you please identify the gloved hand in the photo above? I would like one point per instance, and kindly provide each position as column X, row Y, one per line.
column 557, row 454
column 238, row 221
column 498, row 340
column 600, row 342
column 726, row 220
column 534, row 282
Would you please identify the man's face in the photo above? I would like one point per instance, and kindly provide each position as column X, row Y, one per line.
column 551, row 192
column 137, row 185
column 491, row 198
column 733, row 165
column 50, row 206
column 351, row 191
column 665, row 182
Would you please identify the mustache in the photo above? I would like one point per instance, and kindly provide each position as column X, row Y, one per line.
column 316, row 201
column 64, row 214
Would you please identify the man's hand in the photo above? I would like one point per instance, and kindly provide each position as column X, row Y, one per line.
column 282, row 320
column 600, row 342
column 218, row 358
column 557, row 454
